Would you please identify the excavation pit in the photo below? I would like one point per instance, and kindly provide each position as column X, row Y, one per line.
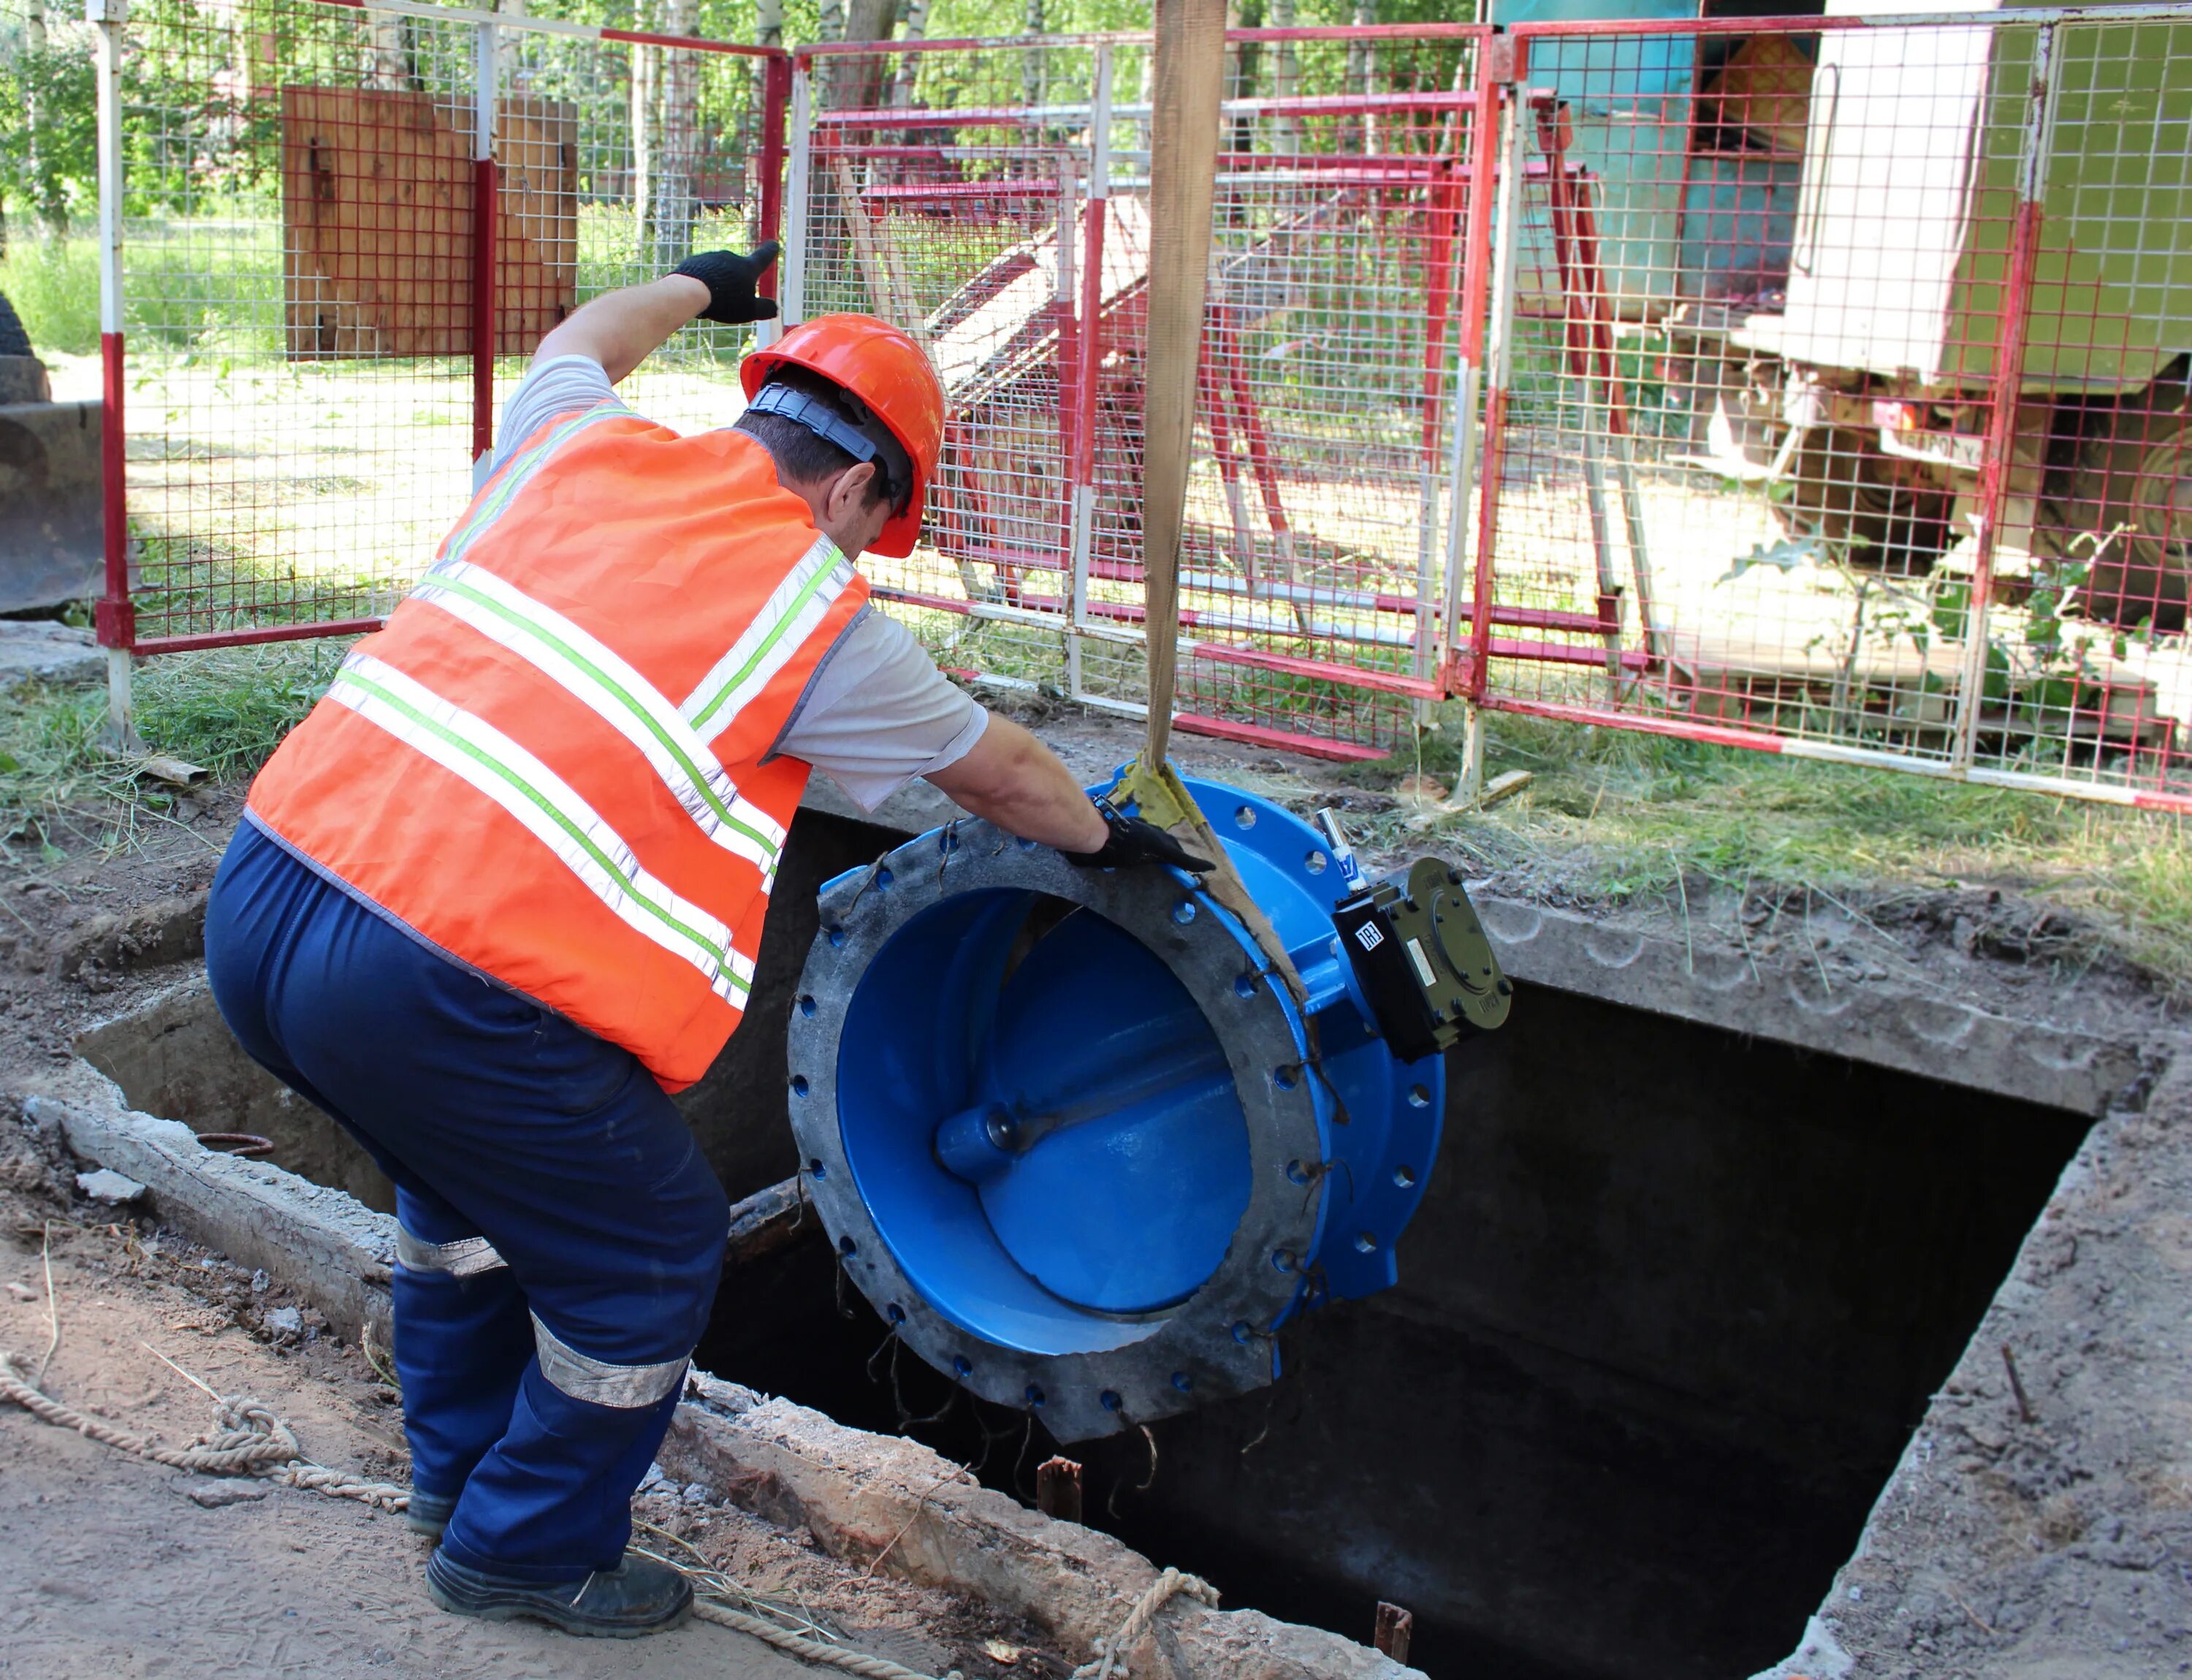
column 1673, row 1305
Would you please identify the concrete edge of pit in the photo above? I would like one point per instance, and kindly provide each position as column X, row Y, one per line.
column 332, row 1249
column 861, row 1495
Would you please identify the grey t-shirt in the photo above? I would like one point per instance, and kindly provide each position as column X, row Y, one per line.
column 877, row 714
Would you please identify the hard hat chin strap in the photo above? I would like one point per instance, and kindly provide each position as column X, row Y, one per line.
column 819, row 417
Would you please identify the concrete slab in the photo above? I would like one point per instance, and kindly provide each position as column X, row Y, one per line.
column 39, row 650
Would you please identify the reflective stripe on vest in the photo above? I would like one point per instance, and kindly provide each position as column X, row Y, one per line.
column 800, row 602
column 556, row 815
column 601, row 678
column 553, row 763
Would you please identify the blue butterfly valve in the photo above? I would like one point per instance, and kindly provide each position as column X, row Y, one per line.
column 1075, row 1136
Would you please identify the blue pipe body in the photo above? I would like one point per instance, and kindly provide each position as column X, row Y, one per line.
column 1044, row 1124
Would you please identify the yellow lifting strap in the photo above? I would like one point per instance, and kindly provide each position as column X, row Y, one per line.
column 1161, row 799
column 1190, row 77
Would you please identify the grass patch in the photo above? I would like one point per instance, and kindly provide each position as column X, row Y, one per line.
column 1611, row 816
column 226, row 710
column 53, row 284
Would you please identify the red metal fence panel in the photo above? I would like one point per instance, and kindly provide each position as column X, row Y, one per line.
column 1828, row 375
column 342, row 232
column 1847, row 378
column 992, row 199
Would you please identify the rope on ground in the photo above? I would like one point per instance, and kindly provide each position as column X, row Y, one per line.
column 246, row 1440
column 1111, row 1653
column 252, row 1440
column 809, row 1650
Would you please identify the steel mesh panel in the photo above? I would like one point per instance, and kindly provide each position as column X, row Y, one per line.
column 1818, row 430
column 315, row 347
column 981, row 209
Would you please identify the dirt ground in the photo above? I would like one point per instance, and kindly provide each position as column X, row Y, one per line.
column 2048, row 1538
column 111, row 1567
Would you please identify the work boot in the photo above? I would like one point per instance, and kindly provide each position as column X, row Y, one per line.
column 428, row 1514
column 639, row 1596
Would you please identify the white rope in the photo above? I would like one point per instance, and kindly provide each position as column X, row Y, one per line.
column 811, row 1650
column 250, row 1440
column 247, row 1440
column 1110, row 1659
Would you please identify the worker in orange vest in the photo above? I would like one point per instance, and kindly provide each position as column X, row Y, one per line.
column 502, row 891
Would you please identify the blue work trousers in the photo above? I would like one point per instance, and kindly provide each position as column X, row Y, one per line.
column 562, row 1234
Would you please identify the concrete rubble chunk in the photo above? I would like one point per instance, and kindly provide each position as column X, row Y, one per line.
column 214, row 1494
column 109, row 1186
column 285, row 1321
column 38, row 650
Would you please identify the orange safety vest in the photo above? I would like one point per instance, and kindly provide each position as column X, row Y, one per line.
column 549, row 763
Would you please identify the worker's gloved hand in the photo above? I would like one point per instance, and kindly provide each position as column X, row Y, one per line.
column 730, row 279
column 1133, row 843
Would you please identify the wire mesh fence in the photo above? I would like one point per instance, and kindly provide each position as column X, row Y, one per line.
column 1846, row 389
column 342, row 231
column 993, row 199
column 1833, row 369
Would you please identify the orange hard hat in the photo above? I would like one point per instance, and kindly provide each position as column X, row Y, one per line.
column 887, row 371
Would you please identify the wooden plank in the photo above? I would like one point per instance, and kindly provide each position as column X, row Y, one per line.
column 377, row 201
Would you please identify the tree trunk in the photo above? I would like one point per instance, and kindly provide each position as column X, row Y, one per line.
column 1032, row 78
column 856, row 82
column 768, row 23
column 507, row 54
column 642, row 139
column 1362, row 71
column 678, row 156
column 917, row 29
column 1286, row 78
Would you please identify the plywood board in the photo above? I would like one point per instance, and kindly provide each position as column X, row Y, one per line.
column 378, row 216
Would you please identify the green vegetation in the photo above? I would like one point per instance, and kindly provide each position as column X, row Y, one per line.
column 1611, row 816
column 53, row 284
column 61, row 792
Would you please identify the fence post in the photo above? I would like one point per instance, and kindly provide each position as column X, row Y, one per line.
column 2035, row 140
column 775, row 96
column 485, row 324
column 791, row 302
column 1505, row 82
column 1082, row 469
column 116, row 615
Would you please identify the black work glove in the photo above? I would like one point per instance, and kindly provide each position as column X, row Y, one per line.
column 1133, row 843
column 730, row 279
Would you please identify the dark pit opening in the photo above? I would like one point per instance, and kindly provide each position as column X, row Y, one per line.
column 1673, row 1305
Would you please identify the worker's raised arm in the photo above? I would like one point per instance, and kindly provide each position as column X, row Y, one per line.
column 1013, row 780
column 621, row 329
